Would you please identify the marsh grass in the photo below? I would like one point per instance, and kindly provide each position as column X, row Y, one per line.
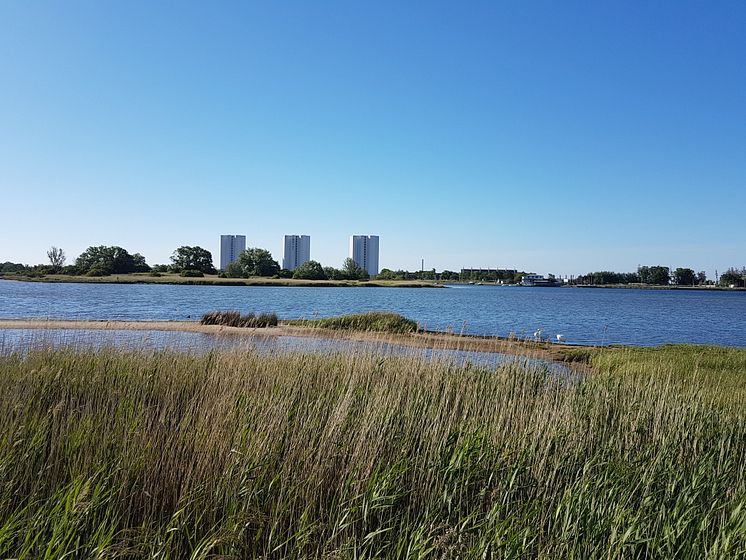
column 236, row 319
column 372, row 321
column 720, row 369
column 233, row 454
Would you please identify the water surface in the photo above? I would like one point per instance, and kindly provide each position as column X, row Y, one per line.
column 582, row 316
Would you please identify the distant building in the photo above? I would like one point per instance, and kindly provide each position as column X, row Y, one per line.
column 297, row 251
column 230, row 247
column 364, row 251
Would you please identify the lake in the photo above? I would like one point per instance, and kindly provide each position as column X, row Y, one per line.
column 582, row 316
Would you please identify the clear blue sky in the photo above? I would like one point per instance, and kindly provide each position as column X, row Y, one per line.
column 555, row 137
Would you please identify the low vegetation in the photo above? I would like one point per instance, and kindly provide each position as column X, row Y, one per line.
column 116, row 454
column 721, row 368
column 374, row 321
column 236, row 319
column 191, row 273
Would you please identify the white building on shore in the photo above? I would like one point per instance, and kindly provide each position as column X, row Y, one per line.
column 230, row 247
column 364, row 251
column 297, row 250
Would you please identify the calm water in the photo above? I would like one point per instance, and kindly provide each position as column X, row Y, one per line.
column 583, row 316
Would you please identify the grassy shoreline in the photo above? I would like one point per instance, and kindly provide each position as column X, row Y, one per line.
column 214, row 280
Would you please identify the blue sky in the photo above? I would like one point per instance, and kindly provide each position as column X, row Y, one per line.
column 558, row 137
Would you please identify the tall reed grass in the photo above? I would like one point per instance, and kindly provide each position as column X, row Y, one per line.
column 116, row 454
column 236, row 319
column 371, row 321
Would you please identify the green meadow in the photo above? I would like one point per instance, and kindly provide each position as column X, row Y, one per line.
column 234, row 454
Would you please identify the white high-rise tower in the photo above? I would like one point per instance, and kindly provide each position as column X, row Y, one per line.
column 364, row 251
column 230, row 247
column 297, row 251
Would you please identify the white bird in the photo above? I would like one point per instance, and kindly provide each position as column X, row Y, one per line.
column 560, row 338
column 537, row 334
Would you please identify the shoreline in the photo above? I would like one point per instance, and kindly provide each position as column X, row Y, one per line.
column 550, row 351
column 213, row 280
column 168, row 279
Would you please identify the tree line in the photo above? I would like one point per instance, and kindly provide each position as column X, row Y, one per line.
column 663, row 276
column 259, row 262
column 104, row 260
column 186, row 260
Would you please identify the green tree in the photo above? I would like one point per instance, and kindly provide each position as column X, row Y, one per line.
column 386, row 274
column 733, row 277
column 140, row 264
column 310, row 270
column 333, row 273
column 102, row 261
column 10, row 267
column 56, row 258
column 352, row 271
column 656, row 275
column 192, row 258
column 257, row 262
column 427, row 274
column 684, row 277
column 235, row 270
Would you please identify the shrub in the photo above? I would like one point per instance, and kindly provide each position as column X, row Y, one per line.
column 71, row 270
column 10, row 267
column 99, row 270
column 190, row 273
column 235, row 270
column 310, row 270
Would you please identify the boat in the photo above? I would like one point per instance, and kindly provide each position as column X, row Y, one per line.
column 538, row 280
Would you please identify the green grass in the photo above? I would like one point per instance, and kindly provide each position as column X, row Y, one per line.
column 115, row 454
column 717, row 370
column 374, row 321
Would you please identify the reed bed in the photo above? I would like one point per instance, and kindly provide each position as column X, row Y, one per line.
column 371, row 321
column 233, row 454
column 236, row 319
